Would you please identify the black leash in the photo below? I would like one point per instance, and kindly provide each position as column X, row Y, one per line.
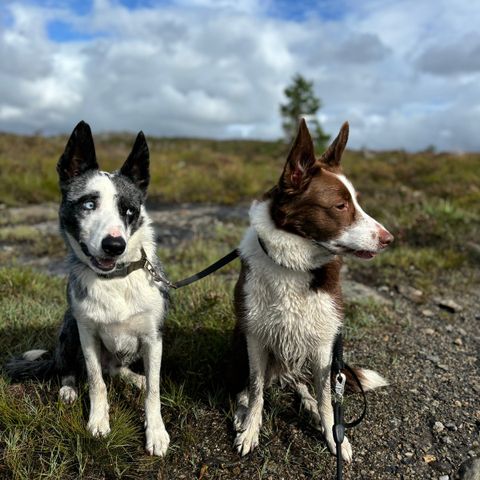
column 339, row 424
column 229, row 257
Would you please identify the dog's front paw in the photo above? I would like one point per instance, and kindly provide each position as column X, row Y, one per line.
column 347, row 453
column 157, row 440
column 99, row 426
column 68, row 394
column 247, row 439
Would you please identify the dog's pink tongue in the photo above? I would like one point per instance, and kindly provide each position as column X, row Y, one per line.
column 106, row 262
column 364, row 254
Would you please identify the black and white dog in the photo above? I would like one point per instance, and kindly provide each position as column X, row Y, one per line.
column 115, row 307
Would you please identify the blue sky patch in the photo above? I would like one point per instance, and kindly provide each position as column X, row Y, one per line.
column 301, row 10
column 80, row 7
column 59, row 31
column 6, row 18
column 135, row 4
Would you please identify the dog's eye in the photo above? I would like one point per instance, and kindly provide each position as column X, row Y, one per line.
column 342, row 206
column 90, row 205
column 130, row 214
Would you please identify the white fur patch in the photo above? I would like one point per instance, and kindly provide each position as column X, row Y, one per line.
column 285, row 249
column 371, row 379
column 134, row 301
column 105, row 219
column 33, row 355
column 283, row 312
column 363, row 233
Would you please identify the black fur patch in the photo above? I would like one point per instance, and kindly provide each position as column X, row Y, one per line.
column 129, row 199
column 68, row 353
column 71, row 210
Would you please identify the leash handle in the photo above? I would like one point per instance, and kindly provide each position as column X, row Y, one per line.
column 338, row 435
column 339, row 425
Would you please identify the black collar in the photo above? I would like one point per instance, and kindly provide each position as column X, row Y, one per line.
column 264, row 248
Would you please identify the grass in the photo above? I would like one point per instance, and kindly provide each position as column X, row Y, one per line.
column 52, row 437
column 427, row 200
column 230, row 170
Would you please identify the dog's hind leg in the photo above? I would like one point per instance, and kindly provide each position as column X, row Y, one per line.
column 130, row 377
column 309, row 404
column 68, row 358
column 68, row 392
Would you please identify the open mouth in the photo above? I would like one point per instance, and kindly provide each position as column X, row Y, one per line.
column 340, row 249
column 365, row 254
column 105, row 264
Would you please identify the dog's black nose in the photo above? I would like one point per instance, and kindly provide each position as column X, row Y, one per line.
column 113, row 245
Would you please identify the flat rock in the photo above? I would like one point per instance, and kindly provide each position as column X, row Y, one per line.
column 357, row 292
column 448, row 304
column 410, row 293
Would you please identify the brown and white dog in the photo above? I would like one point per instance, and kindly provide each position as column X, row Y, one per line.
column 288, row 298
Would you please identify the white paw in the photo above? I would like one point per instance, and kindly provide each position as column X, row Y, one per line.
column 99, row 426
column 68, row 394
column 239, row 417
column 247, row 439
column 140, row 382
column 157, row 440
column 347, row 453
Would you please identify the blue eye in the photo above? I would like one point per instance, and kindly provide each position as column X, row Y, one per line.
column 88, row 205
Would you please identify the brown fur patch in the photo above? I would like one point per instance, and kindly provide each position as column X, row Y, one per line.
column 314, row 213
column 327, row 279
column 308, row 198
column 239, row 370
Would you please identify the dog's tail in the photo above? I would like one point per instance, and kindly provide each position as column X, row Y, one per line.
column 369, row 379
column 30, row 365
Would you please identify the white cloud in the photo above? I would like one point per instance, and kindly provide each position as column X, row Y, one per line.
column 405, row 73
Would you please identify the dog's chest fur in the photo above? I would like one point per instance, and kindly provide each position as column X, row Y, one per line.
column 122, row 312
column 287, row 309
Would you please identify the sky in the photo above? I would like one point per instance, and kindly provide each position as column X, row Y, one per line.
column 404, row 73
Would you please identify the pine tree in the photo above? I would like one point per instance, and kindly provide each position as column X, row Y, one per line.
column 302, row 102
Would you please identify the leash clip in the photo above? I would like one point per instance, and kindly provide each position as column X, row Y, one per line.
column 155, row 275
column 340, row 381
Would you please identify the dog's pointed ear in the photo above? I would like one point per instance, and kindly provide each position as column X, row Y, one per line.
column 137, row 165
column 300, row 161
column 333, row 154
column 79, row 155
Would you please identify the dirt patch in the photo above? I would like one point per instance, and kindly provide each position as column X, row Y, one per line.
column 423, row 426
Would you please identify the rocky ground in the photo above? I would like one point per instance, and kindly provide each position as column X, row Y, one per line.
column 425, row 425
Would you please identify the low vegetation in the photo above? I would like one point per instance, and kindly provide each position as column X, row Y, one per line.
column 427, row 200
